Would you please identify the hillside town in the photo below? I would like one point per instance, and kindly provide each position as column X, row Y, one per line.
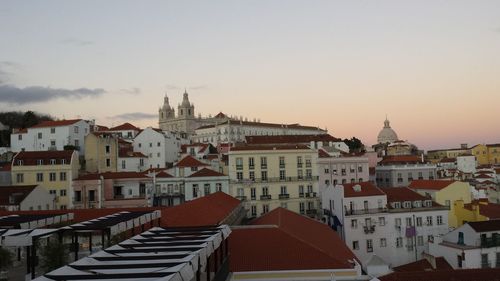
column 224, row 197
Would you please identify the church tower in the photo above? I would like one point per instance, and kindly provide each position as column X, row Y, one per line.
column 185, row 110
column 166, row 112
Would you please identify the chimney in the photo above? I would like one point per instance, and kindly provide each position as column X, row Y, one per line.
column 463, row 146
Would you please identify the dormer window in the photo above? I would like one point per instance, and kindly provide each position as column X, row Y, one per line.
column 52, row 161
column 397, row 205
column 407, row 204
column 39, row 161
column 416, row 204
column 63, row 161
column 428, row 203
column 19, row 162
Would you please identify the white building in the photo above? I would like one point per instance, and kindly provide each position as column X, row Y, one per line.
column 125, row 130
column 162, row 148
column 395, row 224
column 466, row 163
column 397, row 171
column 342, row 169
column 51, row 135
column 26, row 198
column 473, row 245
column 129, row 161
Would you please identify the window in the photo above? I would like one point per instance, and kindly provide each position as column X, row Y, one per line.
column 52, row 161
column 193, row 169
column 308, row 174
column 52, row 176
column 263, row 175
column 265, row 208
column 265, row 191
column 39, row 161
column 419, row 221
column 299, row 161
column 383, row 242
column 150, row 144
column 302, row 207
column 108, row 162
column 39, row 177
column 439, row 220
column 240, row 192
column 354, row 223
column 420, row 240
column 40, row 135
column 355, row 245
column 195, row 190
column 251, row 175
column 308, row 162
column 399, row 242
column 301, row 191
column 263, row 162
column 409, row 243
column 484, row 261
column 397, row 221
column 75, row 129
column 239, row 163
column 158, row 144
column 409, row 222
column 206, row 189
column 253, row 193
column 381, row 221
column 300, row 175
column 218, row 186
column 77, row 143
column 158, row 154
column 62, row 192
column 53, row 192
column 282, row 161
column 360, row 169
column 140, row 145
column 282, row 175
column 369, row 245
column 19, row 137
column 239, row 176
column 254, row 210
column 91, row 195
column 327, row 171
column 429, row 220
column 124, row 164
column 78, row 196
column 251, row 163
column 108, row 149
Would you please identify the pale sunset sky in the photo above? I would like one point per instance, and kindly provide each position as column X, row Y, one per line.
column 432, row 66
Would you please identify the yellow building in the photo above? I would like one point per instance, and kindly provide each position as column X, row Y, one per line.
column 101, row 152
column 477, row 210
column 54, row 170
column 269, row 176
column 487, row 154
column 435, row 156
column 445, row 192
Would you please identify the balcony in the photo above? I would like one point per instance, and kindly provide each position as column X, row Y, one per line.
column 299, row 165
column 251, row 167
column 263, row 166
column 282, row 166
column 311, row 195
column 485, row 264
column 284, row 196
column 118, row 196
column 265, row 197
column 364, row 211
column 241, row 198
column 369, row 228
column 239, row 167
column 277, row 179
column 490, row 242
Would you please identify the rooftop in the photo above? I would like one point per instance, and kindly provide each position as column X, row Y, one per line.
column 361, row 189
column 57, row 123
column 424, row 265
column 206, row 173
column 124, row 127
column 284, row 240
column 260, row 124
column 31, row 158
column 489, row 210
column 295, row 139
column 112, row 175
column 189, row 161
column 270, row 147
column 15, row 193
column 430, row 184
column 401, row 159
column 490, row 274
column 401, row 194
column 485, row 226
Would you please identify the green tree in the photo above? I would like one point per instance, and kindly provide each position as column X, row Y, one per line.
column 53, row 255
column 355, row 144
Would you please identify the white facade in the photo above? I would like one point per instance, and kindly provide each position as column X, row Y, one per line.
column 132, row 164
column 236, row 131
column 340, row 170
column 52, row 136
column 466, row 163
column 398, row 175
column 369, row 227
column 162, row 148
column 466, row 247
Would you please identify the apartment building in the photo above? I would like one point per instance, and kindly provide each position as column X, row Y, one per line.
column 399, row 171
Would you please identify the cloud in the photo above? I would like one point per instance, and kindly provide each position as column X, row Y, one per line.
column 172, row 87
column 199, row 87
column 135, row 116
column 36, row 94
column 4, row 74
column 131, row 91
column 76, row 42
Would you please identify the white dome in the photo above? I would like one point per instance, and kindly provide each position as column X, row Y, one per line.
column 387, row 134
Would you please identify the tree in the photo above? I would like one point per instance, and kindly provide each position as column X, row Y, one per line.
column 355, row 145
column 54, row 255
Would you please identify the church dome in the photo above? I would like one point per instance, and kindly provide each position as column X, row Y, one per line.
column 185, row 100
column 387, row 134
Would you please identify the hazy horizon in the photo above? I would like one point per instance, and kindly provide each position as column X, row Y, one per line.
column 432, row 67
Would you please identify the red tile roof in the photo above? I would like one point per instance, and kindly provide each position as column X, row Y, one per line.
column 295, row 139
column 269, row 147
column 485, row 226
column 448, row 160
column 203, row 146
column 56, row 123
column 483, row 176
column 164, row 174
column 401, row 159
column 430, row 184
column 208, row 210
column 323, row 154
column 283, row 240
column 130, row 154
column 486, row 274
column 489, row 210
column 220, row 115
column 17, row 192
column 400, row 194
column 424, row 265
column 124, row 127
column 31, row 158
column 189, row 161
column 206, row 173
column 367, row 189
column 260, row 124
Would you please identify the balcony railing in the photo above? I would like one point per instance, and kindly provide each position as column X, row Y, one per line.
column 284, row 196
column 311, row 194
column 241, row 198
column 485, row 264
column 251, row 167
column 276, row 179
column 239, row 167
column 265, row 197
column 364, row 211
column 263, row 166
column 282, row 166
column 490, row 242
column 301, row 195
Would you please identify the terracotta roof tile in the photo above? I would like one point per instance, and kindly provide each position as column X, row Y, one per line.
column 323, row 154
column 448, row 160
column 31, row 158
column 401, row 159
column 57, row 123
column 17, row 192
column 131, row 154
column 487, row 209
column 269, row 147
column 260, row 124
column 113, row 175
column 483, row 176
column 206, row 173
column 367, row 189
column 485, row 226
column 295, row 139
column 189, row 161
column 164, row 174
column 430, row 184
column 401, row 194
column 424, row 265
column 124, row 127
column 283, row 240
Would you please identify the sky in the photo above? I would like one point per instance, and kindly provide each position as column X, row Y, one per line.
column 433, row 67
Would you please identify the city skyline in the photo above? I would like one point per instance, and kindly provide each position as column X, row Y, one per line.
column 433, row 68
